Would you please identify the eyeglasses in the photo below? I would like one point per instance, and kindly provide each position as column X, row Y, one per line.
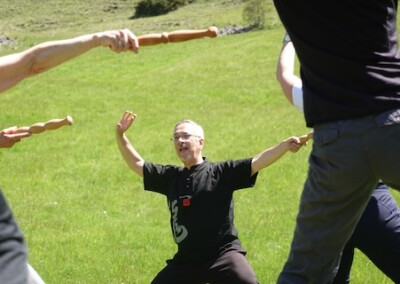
column 183, row 137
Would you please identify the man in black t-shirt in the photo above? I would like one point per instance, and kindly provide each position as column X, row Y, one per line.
column 199, row 196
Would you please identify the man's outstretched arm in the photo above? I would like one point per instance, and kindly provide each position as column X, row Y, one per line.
column 44, row 56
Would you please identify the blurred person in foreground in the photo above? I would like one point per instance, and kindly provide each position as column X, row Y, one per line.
column 13, row 69
column 350, row 71
column 377, row 233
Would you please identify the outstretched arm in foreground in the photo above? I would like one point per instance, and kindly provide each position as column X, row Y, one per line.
column 44, row 56
column 271, row 155
column 128, row 152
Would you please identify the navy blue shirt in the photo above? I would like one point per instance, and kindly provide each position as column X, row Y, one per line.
column 348, row 51
column 201, row 205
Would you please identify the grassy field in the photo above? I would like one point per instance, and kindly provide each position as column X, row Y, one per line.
column 85, row 216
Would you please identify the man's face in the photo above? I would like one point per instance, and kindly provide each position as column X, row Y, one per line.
column 188, row 144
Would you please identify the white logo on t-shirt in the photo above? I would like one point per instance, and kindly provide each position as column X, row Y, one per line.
column 179, row 231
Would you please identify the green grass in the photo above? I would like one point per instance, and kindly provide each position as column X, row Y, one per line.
column 85, row 215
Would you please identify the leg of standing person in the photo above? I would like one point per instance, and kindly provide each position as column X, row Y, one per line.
column 13, row 252
column 378, row 233
column 346, row 162
column 346, row 261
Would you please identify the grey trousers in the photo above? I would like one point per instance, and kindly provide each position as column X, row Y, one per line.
column 13, row 252
column 347, row 160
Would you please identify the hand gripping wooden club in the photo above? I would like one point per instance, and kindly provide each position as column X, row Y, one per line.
column 49, row 125
column 304, row 138
column 176, row 36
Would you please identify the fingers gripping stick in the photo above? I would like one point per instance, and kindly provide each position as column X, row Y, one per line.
column 176, row 36
column 49, row 125
column 306, row 137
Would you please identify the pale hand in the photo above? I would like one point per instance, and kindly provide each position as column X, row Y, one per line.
column 294, row 144
column 125, row 122
column 9, row 136
column 119, row 41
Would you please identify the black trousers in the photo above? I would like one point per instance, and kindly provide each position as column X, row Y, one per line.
column 229, row 268
column 13, row 251
column 377, row 235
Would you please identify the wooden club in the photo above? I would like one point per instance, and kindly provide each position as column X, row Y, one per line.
column 43, row 126
column 176, row 36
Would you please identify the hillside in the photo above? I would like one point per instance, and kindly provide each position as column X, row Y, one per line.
column 71, row 17
column 84, row 214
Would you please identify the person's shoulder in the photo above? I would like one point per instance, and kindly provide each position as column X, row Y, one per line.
column 160, row 167
column 233, row 162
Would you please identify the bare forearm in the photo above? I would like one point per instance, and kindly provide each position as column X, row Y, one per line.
column 287, row 58
column 285, row 69
column 50, row 54
column 42, row 57
column 269, row 156
column 130, row 155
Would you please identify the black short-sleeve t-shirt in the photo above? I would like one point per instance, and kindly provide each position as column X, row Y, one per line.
column 349, row 57
column 201, row 205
